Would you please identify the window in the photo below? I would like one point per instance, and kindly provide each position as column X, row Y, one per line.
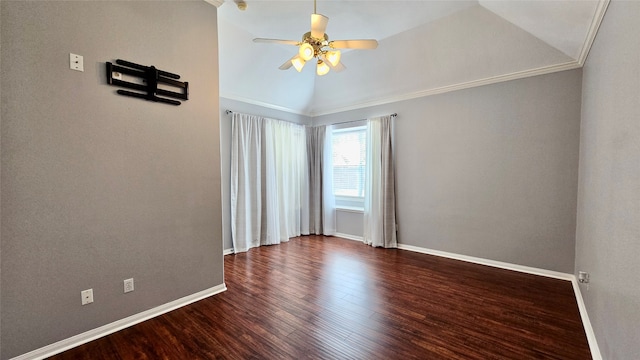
column 349, row 160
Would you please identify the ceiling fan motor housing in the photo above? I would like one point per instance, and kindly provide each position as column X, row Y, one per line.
column 316, row 43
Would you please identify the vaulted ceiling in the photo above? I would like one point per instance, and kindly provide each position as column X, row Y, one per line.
column 425, row 47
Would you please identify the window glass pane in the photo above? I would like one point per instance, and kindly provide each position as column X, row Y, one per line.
column 349, row 153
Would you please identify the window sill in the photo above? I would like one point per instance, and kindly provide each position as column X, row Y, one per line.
column 352, row 209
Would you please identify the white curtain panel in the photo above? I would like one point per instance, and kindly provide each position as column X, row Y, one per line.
column 287, row 187
column 246, row 181
column 269, row 181
column 379, row 196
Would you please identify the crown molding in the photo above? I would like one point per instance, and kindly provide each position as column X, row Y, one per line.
column 575, row 64
column 461, row 86
column 593, row 30
column 417, row 94
column 264, row 104
column 216, row 3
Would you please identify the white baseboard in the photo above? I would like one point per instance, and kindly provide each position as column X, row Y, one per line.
column 77, row 340
column 498, row 264
column 591, row 338
column 91, row 335
column 227, row 251
column 349, row 237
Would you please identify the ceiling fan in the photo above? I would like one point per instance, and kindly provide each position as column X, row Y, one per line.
column 316, row 44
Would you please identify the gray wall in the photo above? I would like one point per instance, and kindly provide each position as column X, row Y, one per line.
column 608, row 226
column 491, row 171
column 350, row 222
column 98, row 187
column 225, row 150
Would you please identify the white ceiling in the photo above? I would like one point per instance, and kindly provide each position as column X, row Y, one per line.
column 425, row 47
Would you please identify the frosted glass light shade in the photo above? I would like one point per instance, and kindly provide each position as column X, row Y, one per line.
column 333, row 57
column 306, row 52
column 298, row 63
column 322, row 68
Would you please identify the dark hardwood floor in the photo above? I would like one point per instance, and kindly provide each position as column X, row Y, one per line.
column 328, row 298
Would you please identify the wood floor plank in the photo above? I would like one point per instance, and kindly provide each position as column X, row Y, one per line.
column 321, row 297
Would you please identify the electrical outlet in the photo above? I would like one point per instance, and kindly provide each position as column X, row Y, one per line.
column 583, row 277
column 128, row 285
column 87, row 296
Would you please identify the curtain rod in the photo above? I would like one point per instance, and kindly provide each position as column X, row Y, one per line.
column 228, row 112
column 261, row 116
column 342, row 122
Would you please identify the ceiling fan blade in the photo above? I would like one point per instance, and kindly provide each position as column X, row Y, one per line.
column 354, row 44
column 338, row 67
column 296, row 61
column 318, row 25
column 276, row 41
column 287, row 64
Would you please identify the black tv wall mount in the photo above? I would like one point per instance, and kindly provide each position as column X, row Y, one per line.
column 150, row 78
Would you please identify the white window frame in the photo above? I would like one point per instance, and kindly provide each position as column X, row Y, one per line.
column 346, row 202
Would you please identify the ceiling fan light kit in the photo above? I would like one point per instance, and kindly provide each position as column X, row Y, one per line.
column 322, row 68
column 333, row 57
column 297, row 62
column 306, row 52
column 316, row 44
